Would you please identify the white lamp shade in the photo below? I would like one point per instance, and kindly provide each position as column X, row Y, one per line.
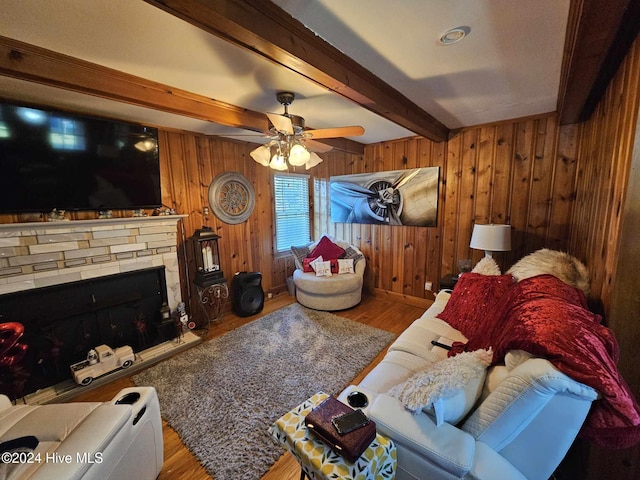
column 491, row 238
column 313, row 161
column 262, row 155
column 278, row 162
column 298, row 155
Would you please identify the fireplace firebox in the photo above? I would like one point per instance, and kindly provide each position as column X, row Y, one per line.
column 63, row 322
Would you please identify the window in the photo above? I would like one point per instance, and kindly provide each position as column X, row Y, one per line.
column 291, row 193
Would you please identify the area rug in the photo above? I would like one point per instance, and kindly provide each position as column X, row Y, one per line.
column 223, row 395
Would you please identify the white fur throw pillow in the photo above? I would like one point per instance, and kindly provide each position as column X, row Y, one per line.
column 449, row 388
column 553, row 262
column 487, row 266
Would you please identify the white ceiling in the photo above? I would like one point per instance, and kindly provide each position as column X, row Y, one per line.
column 508, row 67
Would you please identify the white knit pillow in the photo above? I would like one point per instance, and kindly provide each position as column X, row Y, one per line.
column 448, row 389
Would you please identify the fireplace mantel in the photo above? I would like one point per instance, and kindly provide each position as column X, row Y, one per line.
column 40, row 254
column 72, row 224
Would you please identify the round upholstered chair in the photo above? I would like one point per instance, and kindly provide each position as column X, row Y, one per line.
column 335, row 292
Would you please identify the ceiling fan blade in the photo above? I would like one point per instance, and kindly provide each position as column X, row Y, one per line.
column 261, row 135
column 281, row 123
column 336, row 132
column 317, row 146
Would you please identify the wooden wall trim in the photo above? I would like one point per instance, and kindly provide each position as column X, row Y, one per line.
column 400, row 298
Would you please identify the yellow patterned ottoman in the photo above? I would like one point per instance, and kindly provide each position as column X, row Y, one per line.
column 319, row 462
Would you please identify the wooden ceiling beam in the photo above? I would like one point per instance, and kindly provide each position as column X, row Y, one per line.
column 344, row 145
column 35, row 64
column 28, row 62
column 264, row 28
column 599, row 35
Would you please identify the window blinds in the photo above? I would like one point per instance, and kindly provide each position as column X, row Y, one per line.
column 291, row 193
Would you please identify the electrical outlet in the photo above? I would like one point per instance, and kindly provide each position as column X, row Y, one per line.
column 428, row 285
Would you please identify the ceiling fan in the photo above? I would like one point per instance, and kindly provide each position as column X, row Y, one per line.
column 291, row 143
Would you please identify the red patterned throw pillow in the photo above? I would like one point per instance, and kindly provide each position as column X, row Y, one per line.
column 472, row 301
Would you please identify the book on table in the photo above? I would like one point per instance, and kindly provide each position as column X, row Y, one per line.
column 351, row 444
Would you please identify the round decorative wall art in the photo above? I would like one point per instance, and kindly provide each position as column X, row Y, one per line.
column 231, row 197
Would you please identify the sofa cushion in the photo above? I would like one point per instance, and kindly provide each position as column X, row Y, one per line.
column 472, row 300
column 417, row 339
column 396, row 367
column 51, row 424
column 447, row 389
column 327, row 249
column 67, row 429
column 21, row 445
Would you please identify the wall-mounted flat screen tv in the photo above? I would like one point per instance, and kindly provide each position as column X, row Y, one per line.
column 58, row 160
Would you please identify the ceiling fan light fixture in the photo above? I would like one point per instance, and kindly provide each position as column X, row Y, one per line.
column 298, row 155
column 313, row 160
column 289, row 139
column 278, row 162
column 262, row 155
column 454, row 35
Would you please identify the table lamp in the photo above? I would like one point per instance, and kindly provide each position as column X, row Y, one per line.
column 491, row 238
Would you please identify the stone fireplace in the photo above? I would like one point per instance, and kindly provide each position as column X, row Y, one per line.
column 34, row 255
column 99, row 276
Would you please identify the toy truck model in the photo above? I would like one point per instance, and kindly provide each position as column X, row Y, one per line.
column 100, row 361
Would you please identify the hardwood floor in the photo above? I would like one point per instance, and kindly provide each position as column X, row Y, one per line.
column 179, row 463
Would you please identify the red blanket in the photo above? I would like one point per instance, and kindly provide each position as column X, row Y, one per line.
column 548, row 318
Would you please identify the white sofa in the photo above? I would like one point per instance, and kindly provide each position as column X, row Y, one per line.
column 86, row 440
column 336, row 292
column 525, row 420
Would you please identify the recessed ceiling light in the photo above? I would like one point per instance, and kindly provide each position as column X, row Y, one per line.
column 454, row 35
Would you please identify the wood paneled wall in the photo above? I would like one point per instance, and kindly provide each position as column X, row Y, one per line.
column 189, row 163
column 400, row 259
column 604, row 158
column 604, row 223
column 521, row 173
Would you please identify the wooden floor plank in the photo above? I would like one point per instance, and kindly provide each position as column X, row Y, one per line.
column 374, row 311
